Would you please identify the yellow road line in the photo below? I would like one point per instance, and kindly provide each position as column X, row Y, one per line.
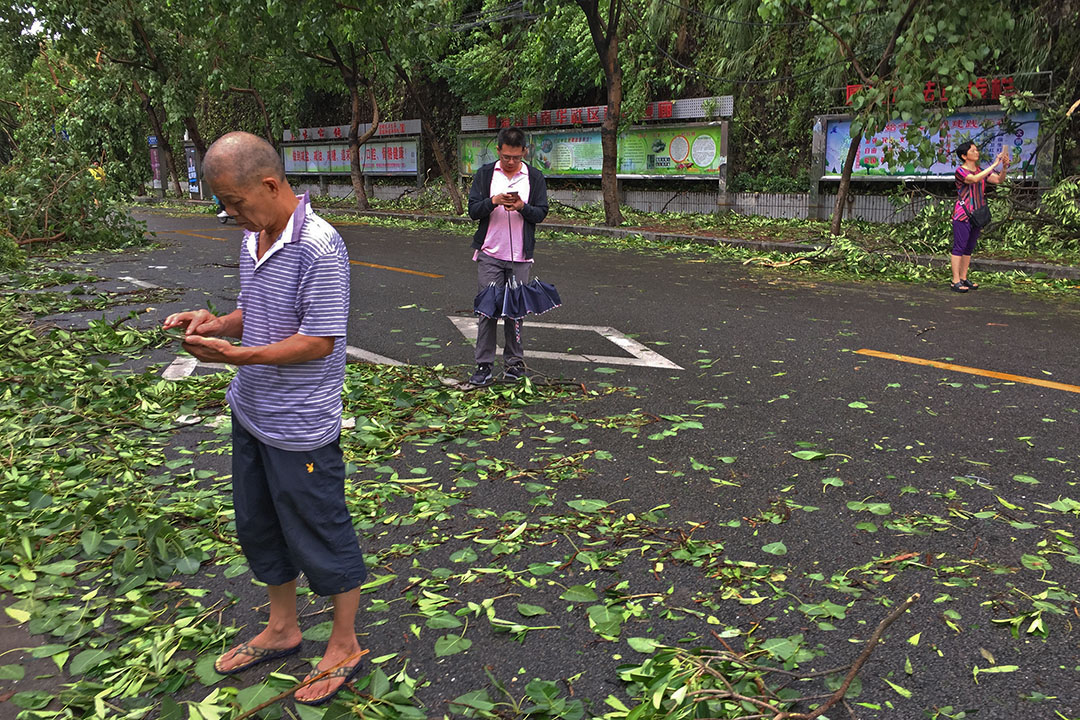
column 395, row 269
column 198, row 235
column 971, row 371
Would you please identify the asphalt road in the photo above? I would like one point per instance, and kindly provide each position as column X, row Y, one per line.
column 767, row 360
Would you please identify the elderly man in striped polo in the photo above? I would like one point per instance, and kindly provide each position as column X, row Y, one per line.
column 288, row 471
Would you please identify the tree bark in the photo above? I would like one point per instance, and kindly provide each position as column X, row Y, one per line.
column 196, row 138
column 605, row 37
column 356, row 141
column 845, row 184
column 162, row 138
column 350, row 76
column 609, row 143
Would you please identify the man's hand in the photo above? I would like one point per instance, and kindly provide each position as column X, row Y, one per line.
column 517, row 204
column 194, row 322
column 215, row 350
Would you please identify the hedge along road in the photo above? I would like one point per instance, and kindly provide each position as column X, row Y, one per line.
column 805, row 487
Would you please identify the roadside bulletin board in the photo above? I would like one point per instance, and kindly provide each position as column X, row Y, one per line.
column 985, row 129
column 691, row 151
column 394, row 150
column 679, row 139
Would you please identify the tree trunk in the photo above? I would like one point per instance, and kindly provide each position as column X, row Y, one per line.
column 449, row 176
column 845, row 184
column 356, row 141
column 267, row 127
column 162, row 138
column 605, row 37
column 609, row 143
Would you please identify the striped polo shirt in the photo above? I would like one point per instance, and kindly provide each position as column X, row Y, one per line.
column 300, row 285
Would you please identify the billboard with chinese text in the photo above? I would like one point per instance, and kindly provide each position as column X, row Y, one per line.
column 691, row 151
column 986, row 129
column 389, row 157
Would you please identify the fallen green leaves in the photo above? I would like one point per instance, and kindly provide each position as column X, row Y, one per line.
column 504, row 528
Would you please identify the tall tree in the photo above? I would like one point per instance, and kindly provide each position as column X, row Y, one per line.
column 606, row 19
column 416, row 36
column 159, row 47
column 893, row 51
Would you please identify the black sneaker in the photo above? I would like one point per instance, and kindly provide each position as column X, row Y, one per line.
column 513, row 373
column 482, row 376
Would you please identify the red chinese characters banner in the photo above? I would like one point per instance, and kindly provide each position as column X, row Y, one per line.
column 392, row 157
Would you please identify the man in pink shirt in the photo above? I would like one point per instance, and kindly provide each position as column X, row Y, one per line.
column 509, row 198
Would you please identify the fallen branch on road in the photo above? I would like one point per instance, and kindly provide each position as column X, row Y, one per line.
column 723, row 677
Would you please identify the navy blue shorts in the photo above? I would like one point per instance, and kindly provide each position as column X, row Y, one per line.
column 291, row 514
column 964, row 237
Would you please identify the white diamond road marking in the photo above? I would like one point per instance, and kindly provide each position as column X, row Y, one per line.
column 369, row 357
column 642, row 356
column 139, row 283
column 184, row 365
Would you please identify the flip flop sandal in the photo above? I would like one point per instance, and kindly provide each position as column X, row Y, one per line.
column 258, row 655
column 959, row 287
column 348, row 672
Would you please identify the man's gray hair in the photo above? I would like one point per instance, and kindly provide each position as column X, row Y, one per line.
column 246, row 158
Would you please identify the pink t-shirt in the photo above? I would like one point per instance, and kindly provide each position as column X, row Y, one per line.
column 971, row 196
column 504, row 233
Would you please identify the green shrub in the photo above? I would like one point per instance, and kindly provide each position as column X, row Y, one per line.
column 55, row 198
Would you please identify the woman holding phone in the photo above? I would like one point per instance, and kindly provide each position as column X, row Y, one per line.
column 971, row 191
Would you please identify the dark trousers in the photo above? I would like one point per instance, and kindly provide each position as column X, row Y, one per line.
column 490, row 270
column 291, row 515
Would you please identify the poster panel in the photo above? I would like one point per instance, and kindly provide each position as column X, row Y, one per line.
column 390, row 157
column 673, row 151
column 476, row 150
column 986, row 129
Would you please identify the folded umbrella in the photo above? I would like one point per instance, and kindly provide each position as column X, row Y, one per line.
column 489, row 301
column 540, row 297
column 513, row 304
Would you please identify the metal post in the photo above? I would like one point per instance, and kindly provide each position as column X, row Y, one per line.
column 723, row 200
column 815, row 210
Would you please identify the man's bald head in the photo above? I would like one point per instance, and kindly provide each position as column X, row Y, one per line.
column 243, row 158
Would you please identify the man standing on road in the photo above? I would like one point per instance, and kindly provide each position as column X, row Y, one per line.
column 288, row 470
column 509, row 198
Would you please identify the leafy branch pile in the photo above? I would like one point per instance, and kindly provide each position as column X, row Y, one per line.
column 70, row 159
column 534, row 553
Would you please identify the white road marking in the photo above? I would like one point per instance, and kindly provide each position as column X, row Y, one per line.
column 139, row 283
column 642, row 356
column 369, row 357
column 185, row 365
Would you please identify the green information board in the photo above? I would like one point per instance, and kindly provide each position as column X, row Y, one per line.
column 689, row 151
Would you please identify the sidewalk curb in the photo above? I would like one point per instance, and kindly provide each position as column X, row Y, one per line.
column 981, row 264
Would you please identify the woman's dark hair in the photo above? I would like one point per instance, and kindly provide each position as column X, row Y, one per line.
column 511, row 136
column 962, row 149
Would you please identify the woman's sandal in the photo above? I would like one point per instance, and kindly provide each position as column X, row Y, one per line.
column 968, row 284
column 959, row 287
